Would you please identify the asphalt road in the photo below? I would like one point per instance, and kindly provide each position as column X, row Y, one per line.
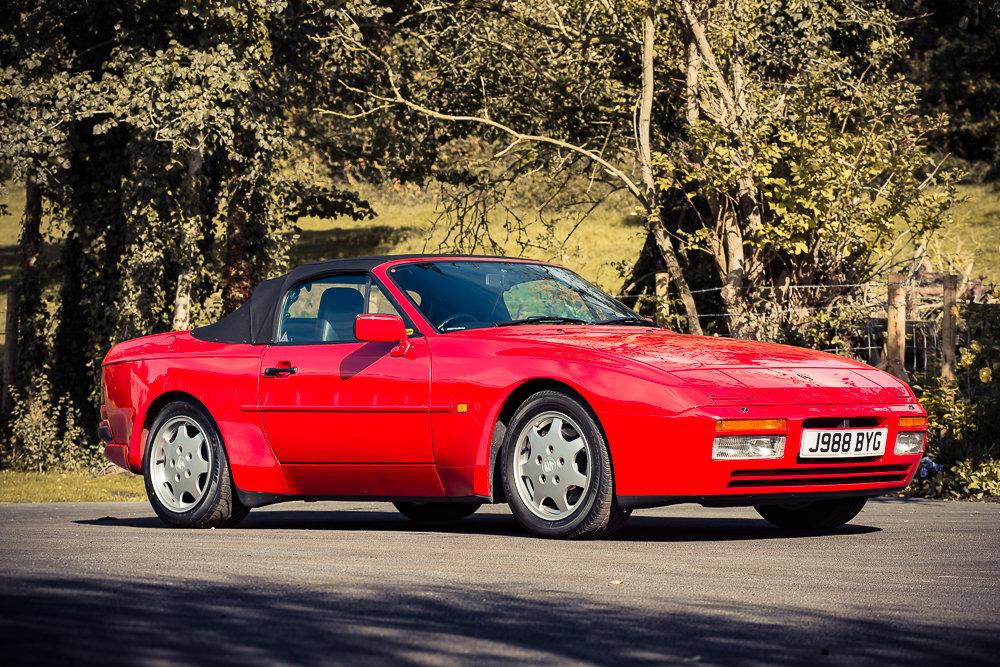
column 907, row 582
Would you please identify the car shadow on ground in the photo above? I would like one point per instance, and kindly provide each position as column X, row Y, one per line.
column 159, row 619
column 638, row 528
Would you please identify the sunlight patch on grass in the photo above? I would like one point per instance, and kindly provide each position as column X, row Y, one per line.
column 55, row 487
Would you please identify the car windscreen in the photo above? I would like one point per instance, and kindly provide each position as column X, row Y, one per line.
column 467, row 294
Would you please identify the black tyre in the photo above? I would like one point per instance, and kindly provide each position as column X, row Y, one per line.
column 557, row 470
column 433, row 511
column 817, row 515
column 187, row 475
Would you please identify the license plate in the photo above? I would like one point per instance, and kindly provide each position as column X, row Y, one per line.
column 843, row 443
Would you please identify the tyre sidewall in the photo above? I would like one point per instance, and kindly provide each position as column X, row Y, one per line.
column 218, row 475
column 600, row 463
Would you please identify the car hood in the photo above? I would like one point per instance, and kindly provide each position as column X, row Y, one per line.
column 670, row 351
column 727, row 368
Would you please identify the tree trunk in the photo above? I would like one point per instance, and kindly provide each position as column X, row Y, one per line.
column 191, row 226
column 236, row 270
column 657, row 228
column 30, row 246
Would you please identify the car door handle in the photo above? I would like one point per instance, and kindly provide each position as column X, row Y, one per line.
column 277, row 371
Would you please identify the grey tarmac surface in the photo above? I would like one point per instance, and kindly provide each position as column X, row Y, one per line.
column 329, row 583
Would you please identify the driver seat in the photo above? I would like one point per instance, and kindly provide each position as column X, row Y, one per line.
column 338, row 309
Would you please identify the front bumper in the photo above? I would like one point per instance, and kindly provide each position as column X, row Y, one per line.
column 679, row 467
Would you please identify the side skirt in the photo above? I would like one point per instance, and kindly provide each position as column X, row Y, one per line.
column 262, row 499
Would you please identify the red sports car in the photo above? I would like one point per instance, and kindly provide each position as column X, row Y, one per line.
column 444, row 382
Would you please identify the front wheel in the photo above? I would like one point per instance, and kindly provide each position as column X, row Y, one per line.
column 187, row 472
column 817, row 515
column 436, row 511
column 557, row 470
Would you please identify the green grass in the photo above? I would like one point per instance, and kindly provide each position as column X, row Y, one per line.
column 974, row 239
column 56, row 487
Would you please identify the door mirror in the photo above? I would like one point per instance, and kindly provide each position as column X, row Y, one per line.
column 376, row 328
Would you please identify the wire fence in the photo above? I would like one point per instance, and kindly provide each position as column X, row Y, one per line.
column 919, row 346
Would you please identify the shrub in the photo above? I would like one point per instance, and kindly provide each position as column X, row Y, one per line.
column 964, row 433
column 44, row 433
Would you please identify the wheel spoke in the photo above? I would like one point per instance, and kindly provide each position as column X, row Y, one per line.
column 568, row 449
column 532, row 468
column 536, row 441
column 555, row 430
column 541, row 495
column 559, row 498
column 572, row 477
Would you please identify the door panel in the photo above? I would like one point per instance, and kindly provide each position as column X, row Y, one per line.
column 347, row 403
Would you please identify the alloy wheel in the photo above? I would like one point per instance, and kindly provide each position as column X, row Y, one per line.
column 552, row 467
column 181, row 464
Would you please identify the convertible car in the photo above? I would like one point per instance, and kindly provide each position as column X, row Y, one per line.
column 444, row 382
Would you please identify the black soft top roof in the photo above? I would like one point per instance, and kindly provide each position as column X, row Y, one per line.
column 253, row 322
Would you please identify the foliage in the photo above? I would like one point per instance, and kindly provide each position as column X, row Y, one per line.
column 820, row 171
column 965, row 414
column 966, row 479
column 161, row 136
column 952, row 57
column 45, row 434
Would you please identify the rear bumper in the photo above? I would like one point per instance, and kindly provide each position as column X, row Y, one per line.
column 117, row 454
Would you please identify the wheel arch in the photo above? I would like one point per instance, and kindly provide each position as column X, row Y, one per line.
column 156, row 406
column 167, row 397
column 511, row 403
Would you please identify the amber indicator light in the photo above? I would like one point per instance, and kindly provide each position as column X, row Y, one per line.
column 912, row 422
column 756, row 425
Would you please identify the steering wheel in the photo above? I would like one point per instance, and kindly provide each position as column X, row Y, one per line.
column 457, row 317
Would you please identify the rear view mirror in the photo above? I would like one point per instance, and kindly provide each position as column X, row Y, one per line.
column 376, row 328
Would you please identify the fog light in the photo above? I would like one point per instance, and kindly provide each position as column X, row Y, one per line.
column 748, row 447
column 909, row 443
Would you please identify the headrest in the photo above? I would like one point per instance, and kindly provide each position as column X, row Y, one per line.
column 341, row 302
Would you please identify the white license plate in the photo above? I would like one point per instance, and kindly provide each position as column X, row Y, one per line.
column 843, row 443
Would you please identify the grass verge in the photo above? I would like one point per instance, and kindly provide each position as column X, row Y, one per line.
column 60, row 487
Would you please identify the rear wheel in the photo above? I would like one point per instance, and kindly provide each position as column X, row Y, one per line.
column 557, row 470
column 186, row 470
column 817, row 515
column 435, row 511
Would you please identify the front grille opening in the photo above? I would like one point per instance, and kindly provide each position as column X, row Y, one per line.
column 841, row 422
column 817, row 481
column 818, row 476
column 842, row 470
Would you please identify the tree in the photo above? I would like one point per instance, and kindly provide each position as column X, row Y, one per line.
column 952, row 57
column 158, row 137
column 775, row 137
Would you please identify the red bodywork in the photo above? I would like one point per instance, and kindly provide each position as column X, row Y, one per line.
column 356, row 420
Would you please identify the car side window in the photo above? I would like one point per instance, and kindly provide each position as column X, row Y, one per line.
column 544, row 298
column 324, row 310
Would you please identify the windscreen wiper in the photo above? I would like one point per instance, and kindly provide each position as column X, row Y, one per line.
column 627, row 321
column 542, row 319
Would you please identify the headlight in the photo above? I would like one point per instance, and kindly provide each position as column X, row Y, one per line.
column 748, row 447
column 910, row 442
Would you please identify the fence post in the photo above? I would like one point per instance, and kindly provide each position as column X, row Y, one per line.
column 895, row 343
column 662, row 299
column 949, row 312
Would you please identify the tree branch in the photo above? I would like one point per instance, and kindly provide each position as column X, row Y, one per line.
column 398, row 98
